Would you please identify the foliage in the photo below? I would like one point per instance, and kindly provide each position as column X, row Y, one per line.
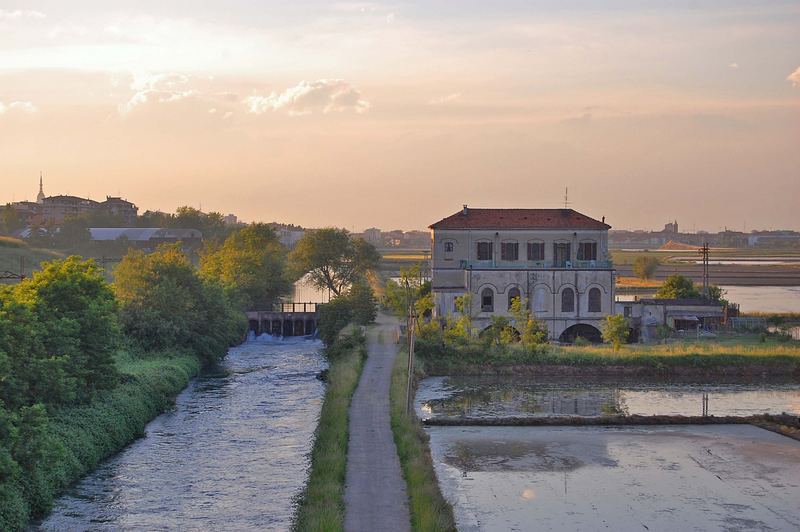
column 58, row 331
column 331, row 259
column 677, row 287
column 357, row 306
column 10, row 220
column 411, row 285
column 615, row 330
column 73, row 234
column 164, row 304
column 644, row 266
column 321, row 507
column 429, row 510
column 251, row 263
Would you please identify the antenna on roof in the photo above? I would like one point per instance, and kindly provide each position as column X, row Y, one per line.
column 566, row 197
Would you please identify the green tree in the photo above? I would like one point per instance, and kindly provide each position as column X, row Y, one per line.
column 252, row 263
column 533, row 331
column 165, row 304
column 644, row 267
column 73, row 234
column 615, row 330
column 10, row 221
column 362, row 302
column 332, row 259
column 76, row 313
column 677, row 287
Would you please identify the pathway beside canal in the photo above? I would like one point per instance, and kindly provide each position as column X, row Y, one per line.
column 375, row 491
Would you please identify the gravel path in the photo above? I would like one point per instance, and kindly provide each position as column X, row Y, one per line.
column 375, row 491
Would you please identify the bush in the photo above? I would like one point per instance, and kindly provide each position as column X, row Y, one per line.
column 644, row 267
column 357, row 306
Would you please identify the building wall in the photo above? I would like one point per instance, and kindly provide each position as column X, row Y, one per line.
column 458, row 272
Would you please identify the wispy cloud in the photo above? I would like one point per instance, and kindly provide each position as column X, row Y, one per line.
column 445, row 99
column 158, row 88
column 24, row 107
column 794, row 77
column 20, row 13
column 324, row 95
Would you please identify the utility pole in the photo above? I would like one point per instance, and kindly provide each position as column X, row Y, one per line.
column 410, row 327
column 704, row 252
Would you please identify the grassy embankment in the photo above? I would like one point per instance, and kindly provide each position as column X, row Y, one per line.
column 429, row 509
column 321, row 506
column 746, row 355
column 12, row 249
column 87, row 434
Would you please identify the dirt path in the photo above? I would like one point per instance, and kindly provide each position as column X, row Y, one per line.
column 375, row 492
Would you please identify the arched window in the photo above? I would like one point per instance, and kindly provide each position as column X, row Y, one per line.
column 594, row 300
column 487, row 300
column 568, row 300
column 513, row 294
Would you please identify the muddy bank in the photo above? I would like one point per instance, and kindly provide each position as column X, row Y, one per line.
column 733, row 372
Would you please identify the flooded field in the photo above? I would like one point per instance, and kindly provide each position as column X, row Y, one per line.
column 765, row 298
column 721, row 477
column 498, row 396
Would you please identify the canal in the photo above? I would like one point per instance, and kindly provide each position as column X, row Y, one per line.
column 231, row 455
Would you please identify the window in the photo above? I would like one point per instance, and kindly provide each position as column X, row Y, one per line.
column 595, row 304
column 587, row 251
column 487, row 300
column 484, row 251
column 448, row 247
column 626, row 311
column 536, row 251
column 509, row 251
column 513, row 294
column 562, row 252
column 568, row 300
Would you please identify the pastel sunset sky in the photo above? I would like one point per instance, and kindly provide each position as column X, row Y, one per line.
column 393, row 114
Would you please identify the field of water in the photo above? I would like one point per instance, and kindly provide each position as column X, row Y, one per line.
column 687, row 478
column 231, row 455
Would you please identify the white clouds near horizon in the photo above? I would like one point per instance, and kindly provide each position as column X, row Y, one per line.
column 324, row 95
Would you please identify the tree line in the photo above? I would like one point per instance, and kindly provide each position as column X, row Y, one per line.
column 62, row 329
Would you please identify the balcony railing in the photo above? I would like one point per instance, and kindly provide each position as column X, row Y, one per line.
column 537, row 265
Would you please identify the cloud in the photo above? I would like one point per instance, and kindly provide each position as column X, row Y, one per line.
column 733, row 66
column 158, row 88
column 19, row 13
column 24, row 107
column 794, row 77
column 445, row 99
column 324, row 95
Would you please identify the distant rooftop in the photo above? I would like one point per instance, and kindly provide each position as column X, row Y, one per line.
column 142, row 234
column 469, row 218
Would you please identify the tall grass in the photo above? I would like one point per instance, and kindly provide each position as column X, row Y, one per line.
column 429, row 509
column 321, row 506
column 84, row 435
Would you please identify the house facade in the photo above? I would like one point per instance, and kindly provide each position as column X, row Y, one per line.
column 556, row 261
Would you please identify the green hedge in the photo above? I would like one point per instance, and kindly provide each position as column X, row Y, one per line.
column 79, row 438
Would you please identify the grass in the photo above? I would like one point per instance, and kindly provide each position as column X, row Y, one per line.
column 635, row 282
column 12, row 249
column 740, row 351
column 82, row 436
column 429, row 509
column 321, row 506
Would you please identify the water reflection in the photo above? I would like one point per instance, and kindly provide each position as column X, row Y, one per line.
column 231, row 455
column 496, row 396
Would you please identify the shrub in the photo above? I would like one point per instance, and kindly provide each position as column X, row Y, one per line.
column 644, row 267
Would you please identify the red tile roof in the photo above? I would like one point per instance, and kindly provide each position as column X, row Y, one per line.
column 519, row 219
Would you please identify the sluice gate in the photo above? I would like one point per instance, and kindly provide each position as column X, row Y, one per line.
column 285, row 319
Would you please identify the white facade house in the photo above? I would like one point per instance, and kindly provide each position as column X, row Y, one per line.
column 554, row 260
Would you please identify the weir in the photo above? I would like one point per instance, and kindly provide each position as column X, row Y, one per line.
column 285, row 319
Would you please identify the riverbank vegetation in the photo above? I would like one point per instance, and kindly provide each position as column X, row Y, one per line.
column 84, row 365
column 429, row 509
column 321, row 506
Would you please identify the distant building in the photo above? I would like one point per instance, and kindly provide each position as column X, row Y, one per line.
column 682, row 315
column 121, row 208
column 147, row 238
column 374, row 236
column 555, row 260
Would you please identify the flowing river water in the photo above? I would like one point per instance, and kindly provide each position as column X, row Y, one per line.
column 231, row 455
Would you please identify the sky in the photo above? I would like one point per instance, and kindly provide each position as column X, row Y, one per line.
column 394, row 114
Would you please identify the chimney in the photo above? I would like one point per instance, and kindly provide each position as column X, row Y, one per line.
column 604, row 219
column 465, row 210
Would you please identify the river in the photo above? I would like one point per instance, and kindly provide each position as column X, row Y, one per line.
column 231, row 455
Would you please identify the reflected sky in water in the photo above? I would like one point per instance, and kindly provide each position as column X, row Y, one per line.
column 498, row 396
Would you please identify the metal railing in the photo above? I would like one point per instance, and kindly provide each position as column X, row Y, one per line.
column 537, row 265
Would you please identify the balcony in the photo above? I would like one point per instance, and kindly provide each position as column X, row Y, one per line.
column 537, row 265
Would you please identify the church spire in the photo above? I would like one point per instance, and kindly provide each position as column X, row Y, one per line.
column 40, row 195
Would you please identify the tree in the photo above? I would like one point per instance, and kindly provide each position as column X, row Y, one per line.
column 533, row 331
column 615, row 330
column 677, row 287
column 644, row 267
column 10, row 220
column 419, row 291
column 362, row 302
column 73, row 234
column 332, row 259
column 165, row 304
column 252, row 263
